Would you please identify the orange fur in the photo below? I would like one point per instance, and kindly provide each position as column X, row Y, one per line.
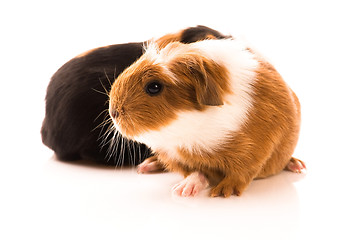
column 202, row 84
column 163, row 41
column 206, row 76
column 136, row 116
column 250, row 153
column 260, row 149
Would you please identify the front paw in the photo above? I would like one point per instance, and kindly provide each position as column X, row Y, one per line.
column 227, row 187
column 191, row 185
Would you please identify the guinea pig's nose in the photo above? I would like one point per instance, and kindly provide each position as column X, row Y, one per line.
column 114, row 113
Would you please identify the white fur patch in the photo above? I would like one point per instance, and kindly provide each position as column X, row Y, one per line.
column 206, row 130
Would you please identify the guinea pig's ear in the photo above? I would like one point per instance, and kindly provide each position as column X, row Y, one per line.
column 208, row 90
column 207, row 77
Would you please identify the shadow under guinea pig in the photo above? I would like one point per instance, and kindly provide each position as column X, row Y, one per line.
column 76, row 124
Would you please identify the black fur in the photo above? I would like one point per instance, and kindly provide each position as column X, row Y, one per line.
column 77, row 103
column 194, row 34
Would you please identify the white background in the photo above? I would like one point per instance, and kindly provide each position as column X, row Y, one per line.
column 315, row 45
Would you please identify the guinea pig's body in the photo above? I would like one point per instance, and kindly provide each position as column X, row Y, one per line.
column 76, row 99
column 212, row 110
column 75, row 125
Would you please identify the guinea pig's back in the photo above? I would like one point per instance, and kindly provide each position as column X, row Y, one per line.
column 278, row 106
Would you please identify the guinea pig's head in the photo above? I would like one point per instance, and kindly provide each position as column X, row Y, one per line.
column 152, row 92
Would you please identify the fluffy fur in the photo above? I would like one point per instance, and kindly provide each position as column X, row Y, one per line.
column 223, row 113
column 221, row 119
column 76, row 123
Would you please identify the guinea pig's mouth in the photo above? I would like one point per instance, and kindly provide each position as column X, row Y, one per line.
column 121, row 122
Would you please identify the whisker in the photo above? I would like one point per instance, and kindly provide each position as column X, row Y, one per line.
column 105, row 121
column 130, row 151
column 115, row 71
column 135, row 153
column 109, row 141
column 107, row 77
column 104, row 93
column 113, row 144
column 118, row 140
column 139, row 153
column 133, row 157
column 106, row 118
column 107, row 132
column 120, row 161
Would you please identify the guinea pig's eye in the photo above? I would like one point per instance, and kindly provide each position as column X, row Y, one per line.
column 153, row 88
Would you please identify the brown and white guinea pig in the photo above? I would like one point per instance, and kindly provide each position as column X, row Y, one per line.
column 77, row 103
column 213, row 110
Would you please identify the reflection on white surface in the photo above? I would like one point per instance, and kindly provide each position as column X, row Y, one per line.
column 127, row 202
column 57, row 200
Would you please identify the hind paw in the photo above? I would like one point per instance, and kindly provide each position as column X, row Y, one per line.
column 295, row 165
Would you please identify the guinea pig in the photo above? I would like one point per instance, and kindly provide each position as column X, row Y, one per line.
column 214, row 110
column 76, row 122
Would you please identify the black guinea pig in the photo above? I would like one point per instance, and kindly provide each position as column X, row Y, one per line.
column 77, row 124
